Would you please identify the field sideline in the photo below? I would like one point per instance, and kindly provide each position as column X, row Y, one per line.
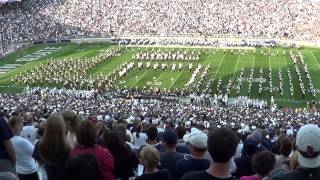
column 224, row 65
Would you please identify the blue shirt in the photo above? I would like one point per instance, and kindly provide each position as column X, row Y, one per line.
column 189, row 164
column 5, row 134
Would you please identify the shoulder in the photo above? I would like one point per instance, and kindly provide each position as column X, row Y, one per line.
column 290, row 175
column 195, row 175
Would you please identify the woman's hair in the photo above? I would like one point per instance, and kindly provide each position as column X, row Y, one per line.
column 115, row 143
column 72, row 118
column 83, row 166
column 86, row 134
column 285, row 147
column 152, row 133
column 41, row 129
column 53, row 148
column 263, row 162
column 13, row 121
column 138, row 129
column 150, row 157
column 122, row 154
column 294, row 163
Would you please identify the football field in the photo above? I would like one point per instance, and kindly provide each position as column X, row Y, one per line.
column 228, row 67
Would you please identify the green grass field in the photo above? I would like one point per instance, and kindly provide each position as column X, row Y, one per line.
column 222, row 65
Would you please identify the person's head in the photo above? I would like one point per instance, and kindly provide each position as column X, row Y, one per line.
column 86, row 134
column 308, row 146
column 149, row 157
column 83, row 166
column 29, row 118
column 285, row 147
column 181, row 131
column 152, row 133
column 170, row 139
column 121, row 128
column 15, row 125
column 54, row 147
column 222, row 145
column 263, row 163
column 71, row 120
column 197, row 142
column 41, row 129
column 138, row 129
column 250, row 146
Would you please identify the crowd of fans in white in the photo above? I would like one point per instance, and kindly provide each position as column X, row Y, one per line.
column 34, row 19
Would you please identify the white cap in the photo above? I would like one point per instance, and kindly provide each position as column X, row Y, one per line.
column 197, row 139
column 308, row 146
column 289, row 132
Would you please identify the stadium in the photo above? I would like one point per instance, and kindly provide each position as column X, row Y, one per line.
column 118, row 89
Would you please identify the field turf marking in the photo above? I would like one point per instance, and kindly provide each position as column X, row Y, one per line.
column 219, row 67
column 176, row 79
column 315, row 59
column 134, row 85
column 235, row 69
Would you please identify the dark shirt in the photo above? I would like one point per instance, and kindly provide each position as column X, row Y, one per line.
column 244, row 167
column 124, row 166
column 54, row 172
column 299, row 174
column 169, row 161
column 5, row 135
column 190, row 164
column 203, row 175
column 162, row 174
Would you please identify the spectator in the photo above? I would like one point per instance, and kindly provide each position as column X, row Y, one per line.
column 125, row 134
column 152, row 133
column 53, row 150
column 139, row 138
column 87, row 136
column 285, row 151
column 222, row 146
column 150, row 160
column 82, row 167
column 308, row 148
column 181, row 144
column 262, row 164
column 197, row 142
column 25, row 165
column 71, row 120
column 29, row 131
column 126, row 161
column 7, row 154
column 170, row 156
column 244, row 166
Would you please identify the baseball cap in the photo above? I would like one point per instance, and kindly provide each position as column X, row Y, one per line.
column 197, row 139
column 308, row 146
column 170, row 137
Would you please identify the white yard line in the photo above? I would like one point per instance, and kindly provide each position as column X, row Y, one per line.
column 235, row 69
column 315, row 59
column 218, row 67
column 134, row 85
column 176, row 79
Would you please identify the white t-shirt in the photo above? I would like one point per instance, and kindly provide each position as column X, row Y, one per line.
column 30, row 133
column 25, row 163
column 138, row 142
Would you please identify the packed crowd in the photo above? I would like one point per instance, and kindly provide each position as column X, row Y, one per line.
column 31, row 20
column 127, row 138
